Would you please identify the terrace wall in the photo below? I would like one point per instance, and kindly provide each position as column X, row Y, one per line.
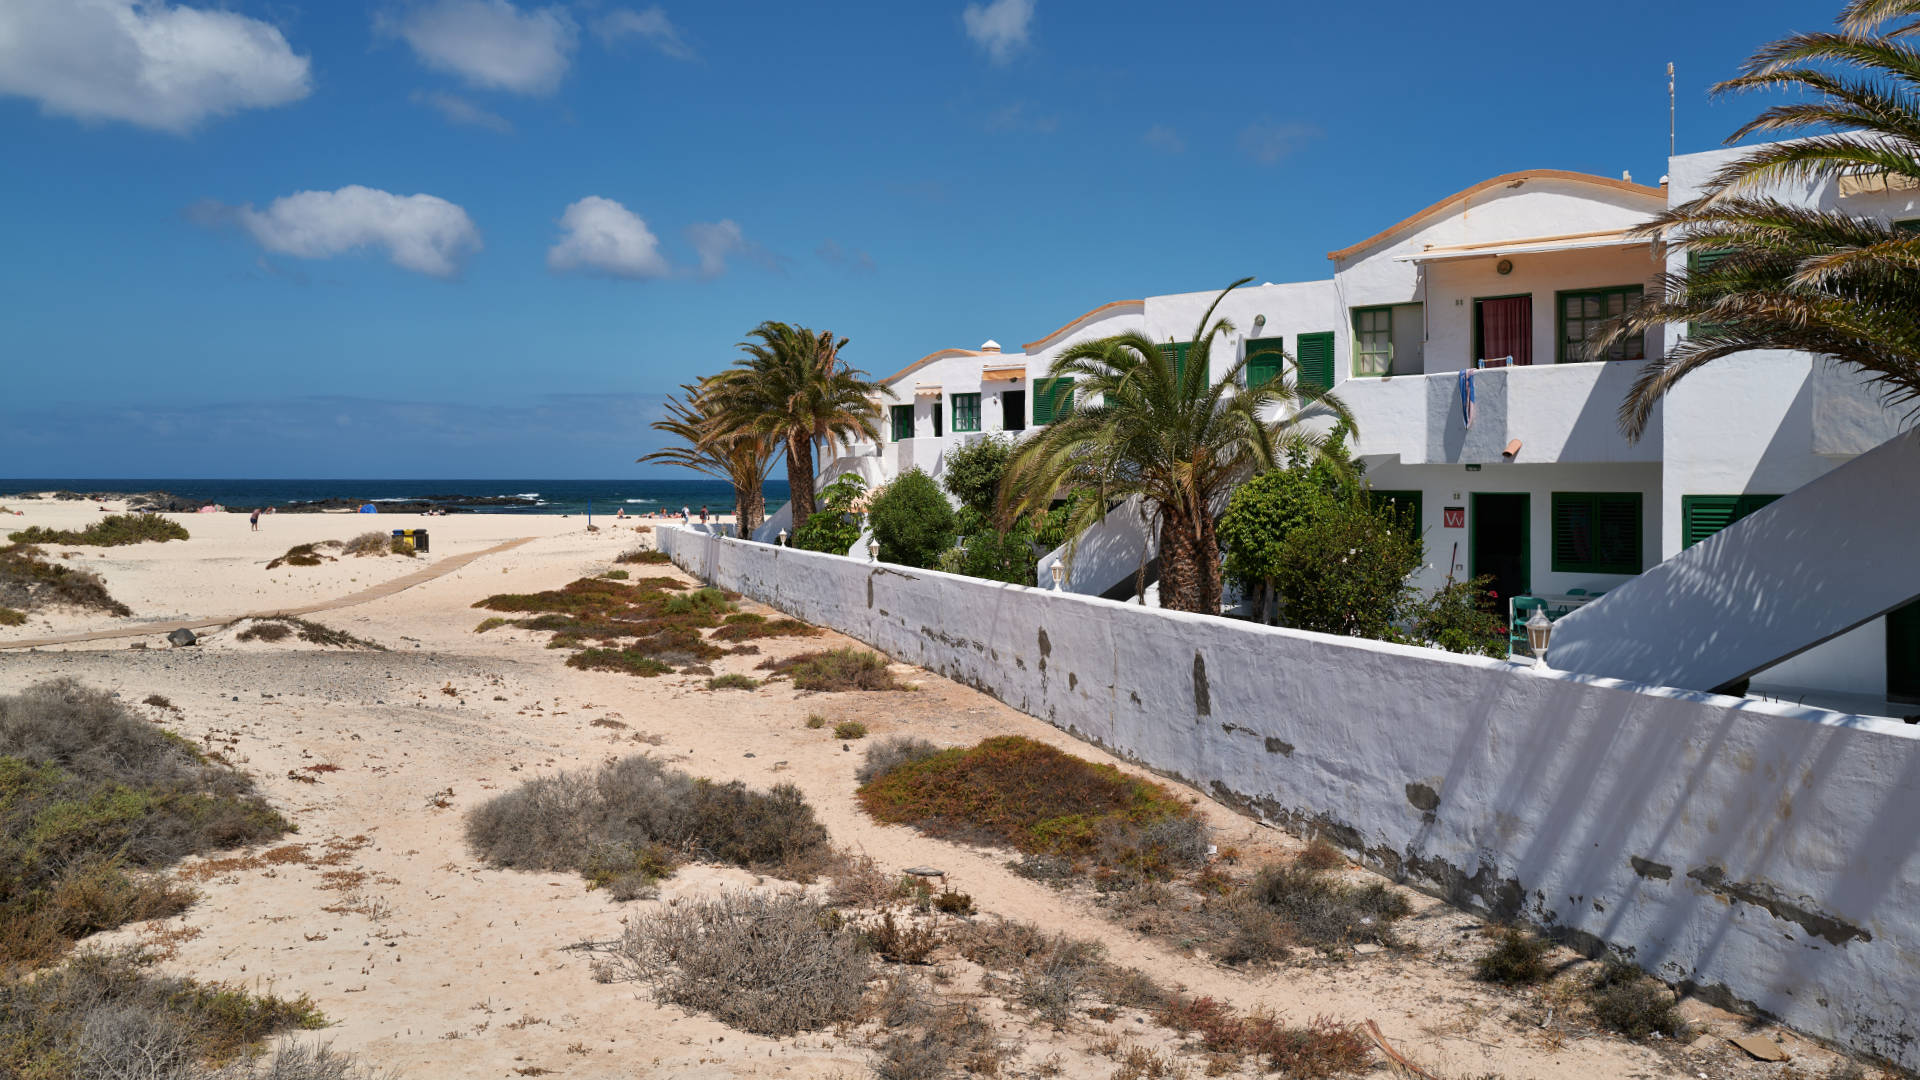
column 1760, row 853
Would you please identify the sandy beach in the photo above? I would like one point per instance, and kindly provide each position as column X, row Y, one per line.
column 431, row 963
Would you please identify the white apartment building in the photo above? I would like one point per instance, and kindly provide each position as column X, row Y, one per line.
column 1489, row 293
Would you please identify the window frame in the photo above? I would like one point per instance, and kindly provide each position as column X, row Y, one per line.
column 1059, row 406
column 1479, row 339
column 897, row 415
column 1385, row 311
column 954, row 403
column 1263, row 347
column 1407, row 497
column 1594, row 564
column 1632, row 293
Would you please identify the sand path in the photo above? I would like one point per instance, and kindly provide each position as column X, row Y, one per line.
column 166, row 626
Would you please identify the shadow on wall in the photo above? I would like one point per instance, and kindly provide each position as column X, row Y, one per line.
column 1814, row 564
column 1761, row 853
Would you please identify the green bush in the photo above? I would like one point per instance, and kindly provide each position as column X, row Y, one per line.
column 1345, row 570
column 849, row 729
column 113, row 530
column 1462, row 617
column 834, row 670
column 94, row 799
column 835, row 527
column 973, row 472
column 1518, row 959
column 10, row 617
column 989, row 553
column 912, row 521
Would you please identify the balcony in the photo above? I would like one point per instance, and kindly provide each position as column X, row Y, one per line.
column 1558, row 412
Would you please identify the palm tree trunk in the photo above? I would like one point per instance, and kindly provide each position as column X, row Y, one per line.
column 1180, row 572
column 749, row 508
column 800, row 477
column 1206, row 557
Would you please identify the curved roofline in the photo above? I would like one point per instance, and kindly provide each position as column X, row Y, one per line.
column 1512, row 179
column 1040, row 343
column 937, row 354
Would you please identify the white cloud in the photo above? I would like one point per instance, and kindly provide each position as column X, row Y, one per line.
column 1267, row 142
column 423, row 233
column 489, row 43
column 1000, row 27
column 601, row 236
column 1162, row 137
column 152, row 64
column 459, row 110
column 714, row 241
column 651, row 24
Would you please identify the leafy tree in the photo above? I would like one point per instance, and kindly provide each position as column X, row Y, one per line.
column 792, row 386
column 835, row 527
column 991, row 553
column 1143, row 425
column 1262, row 513
column 740, row 455
column 1461, row 617
column 1781, row 276
column 973, row 472
column 912, row 520
column 1344, row 570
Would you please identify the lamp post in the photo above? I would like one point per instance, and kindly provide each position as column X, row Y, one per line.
column 782, row 538
column 873, row 551
column 1059, row 571
column 1539, row 632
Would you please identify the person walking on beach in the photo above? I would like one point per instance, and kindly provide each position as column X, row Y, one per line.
column 686, row 516
column 703, row 515
column 255, row 519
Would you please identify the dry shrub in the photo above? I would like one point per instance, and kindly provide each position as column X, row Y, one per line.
column 1320, row 910
column 623, row 823
column 1052, row 971
column 889, row 754
column 746, row 627
column 91, row 798
column 299, row 1061
column 492, row 622
column 303, row 555
column 856, row 881
column 624, row 661
column 1633, row 1003
column 944, row 1037
column 771, row 965
column 615, row 575
column 114, row 530
column 836, row 670
column 903, row 941
column 644, row 556
column 28, row 582
column 1518, row 959
column 158, row 701
column 953, row 902
column 733, row 682
column 1323, row 1048
column 10, row 617
column 849, row 729
column 1017, row 791
column 1321, row 855
column 277, row 627
column 104, row 1016
column 369, row 543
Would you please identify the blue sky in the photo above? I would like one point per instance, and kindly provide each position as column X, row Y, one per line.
column 457, row 238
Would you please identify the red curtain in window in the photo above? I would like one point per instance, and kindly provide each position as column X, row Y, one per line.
column 1506, row 329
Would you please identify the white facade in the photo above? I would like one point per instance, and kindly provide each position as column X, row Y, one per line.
column 1508, row 268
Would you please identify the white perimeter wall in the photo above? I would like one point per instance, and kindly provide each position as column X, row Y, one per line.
column 1760, row 852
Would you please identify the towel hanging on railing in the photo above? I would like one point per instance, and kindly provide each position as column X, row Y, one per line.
column 1466, row 397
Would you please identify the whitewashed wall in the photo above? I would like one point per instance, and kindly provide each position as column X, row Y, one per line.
column 1762, row 853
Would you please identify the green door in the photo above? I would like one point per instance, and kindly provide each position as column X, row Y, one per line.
column 1903, row 653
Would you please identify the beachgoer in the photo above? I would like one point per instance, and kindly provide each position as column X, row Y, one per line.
column 254, row 520
column 703, row 515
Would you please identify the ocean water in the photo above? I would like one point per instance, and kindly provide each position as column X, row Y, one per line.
column 550, row 496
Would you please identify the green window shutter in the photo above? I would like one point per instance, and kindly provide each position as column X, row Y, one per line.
column 1596, row 532
column 1703, row 515
column 1583, row 312
column 1052, row 399
column 1266, row 360
column 902, row 422
column 1177, row 351
column 1698, row 261
column 1314, row 354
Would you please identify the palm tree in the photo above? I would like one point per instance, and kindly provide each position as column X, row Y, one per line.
column 741, row 456
column 792, row 387
column 1765, row 274
column 1146, row 425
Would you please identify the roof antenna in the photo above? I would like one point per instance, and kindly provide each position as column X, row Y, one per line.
column 1669, row 108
